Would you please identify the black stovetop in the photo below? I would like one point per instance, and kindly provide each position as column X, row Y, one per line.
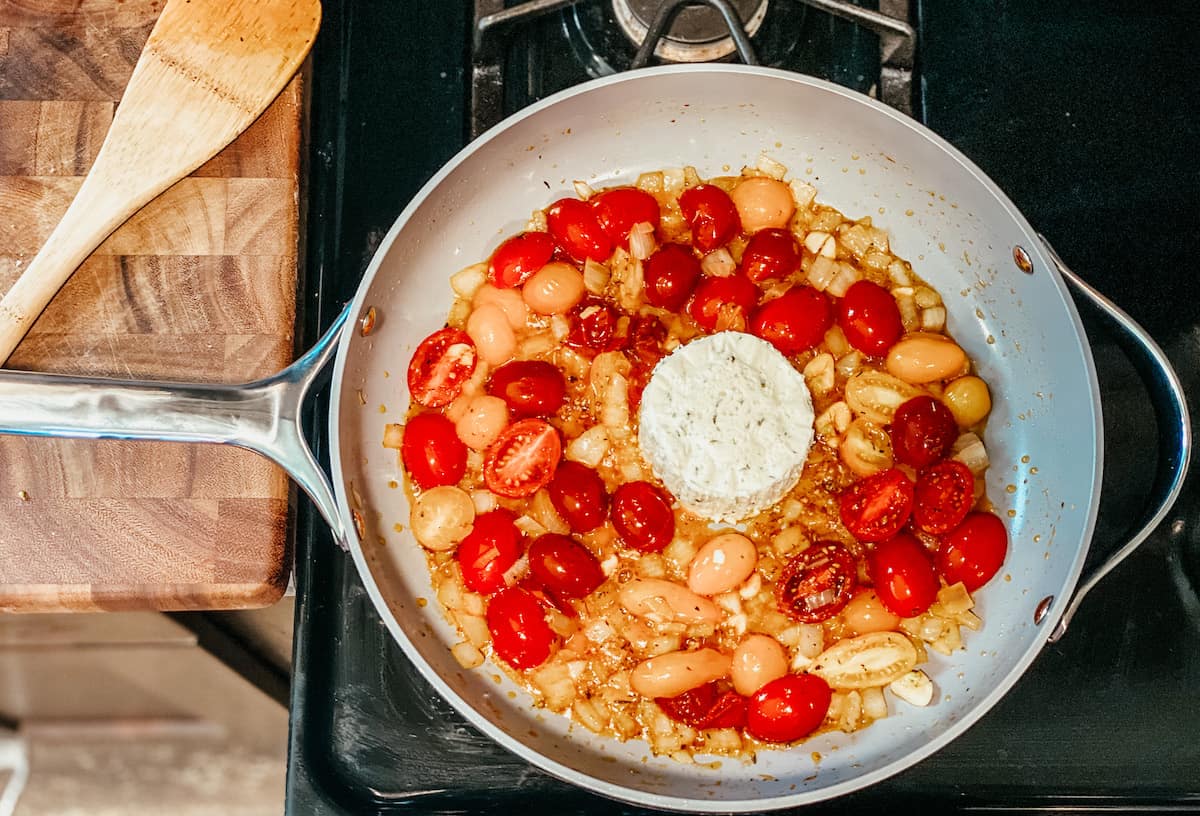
column 1085, row 114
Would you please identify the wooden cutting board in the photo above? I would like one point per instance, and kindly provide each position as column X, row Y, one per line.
column 199, row 286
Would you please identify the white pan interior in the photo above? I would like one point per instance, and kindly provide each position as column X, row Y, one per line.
column 943, row 215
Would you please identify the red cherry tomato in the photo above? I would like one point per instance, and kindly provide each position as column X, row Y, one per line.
column 817, row 583
column 795, row 321
column 619, row 208
column 788, row 708
column 903, row 574
column 530, row 387
column 712, row 216
column 489, row 551
column 645, row 343
column 594, row 326
column 519, row 257
column 563, row 566
column 671, row 274
column 973, row 551
column 578, row 494
column 723, row 302
column 522, row 460
column 770, row 253
column 945, row 493
column 440, row 367
column 875, row 508
column 642, row 516
column 573, row 225
column 520, row 635
column 923, row 430
column 705, row 707
column 431, row 451
column 870, row 318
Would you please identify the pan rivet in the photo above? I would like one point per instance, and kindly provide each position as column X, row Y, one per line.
column 1022, row 260
column 367, row 324
column 1043, row 609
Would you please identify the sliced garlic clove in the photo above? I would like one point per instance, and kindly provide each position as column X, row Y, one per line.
column 914, row 688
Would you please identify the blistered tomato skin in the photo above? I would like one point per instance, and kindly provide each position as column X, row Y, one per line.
column 875, row 508
column 817, row 583
column 642, row 516
column 722, row 303
column 515, row 260
column 770, row 253
column 431, row 451
column 489, row 551
column 795, row 321
column 530, row 387
column 578, row 494
column 573, row 225
column 870, row 318
column 923, row 430
column 520, row 635
column 671, row 274
column 619, row 208
column 944, row 495
column 974, row 551
column 788, row 709
column 710, row 213
column 594, row 325
column 563, row 566
column 440, row 367
column 903, row 574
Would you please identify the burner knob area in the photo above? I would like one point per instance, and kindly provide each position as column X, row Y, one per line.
column 697, row 34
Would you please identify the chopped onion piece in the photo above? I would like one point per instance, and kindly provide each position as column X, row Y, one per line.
column 822, row 272
column 899, row 274
column 466, row 281
column 641, row 240
column 814, row 241
column 969, row 450
column 584, row 190
column 955, row 599
column 718, row 263
column 769, row 167
column 467, row 655
column 874, row 703
column 846, row 277
column 803, row 192
column 934, row 319
column 595, row 277
column 393, row 435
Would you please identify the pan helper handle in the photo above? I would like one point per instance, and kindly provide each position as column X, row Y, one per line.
column 1174, row 429
column 263, row 416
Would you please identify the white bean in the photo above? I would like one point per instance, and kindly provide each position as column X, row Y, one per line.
column 482, row 421
column 662, row 601
column 757, row 660
column 509, row 301
column 553, row 289
column 922, row 358
column 672, row 674
column 441, row 517
column 763, row 202
column 866, row 613
column 492, row 334
column 721, row 564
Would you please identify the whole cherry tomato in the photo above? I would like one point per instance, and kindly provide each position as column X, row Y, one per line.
column 519, row 257
column 671, row 274
column 923, row 430
column 723, row 303
column 440, row 367
column 795, row 321
column 522, row 460
column 875, row 508
column 573, row 225
column 706, row 707
column 645, row 342
column 817, row 583
column 770, row 253
column 945, row 493
column 431, row 451
column 973, row 551
column 788, row 708
column 594, row 326
column 563, row 566
column 712, row 216
column 619, row 208
column 517, row 622
column 642, row 516
column 870, row 318
column 530, row 387
column 489, row 551
column 903, row 574
column 578, row 494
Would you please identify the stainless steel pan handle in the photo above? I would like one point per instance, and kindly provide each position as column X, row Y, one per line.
column 263, row 416
column 1174, row 430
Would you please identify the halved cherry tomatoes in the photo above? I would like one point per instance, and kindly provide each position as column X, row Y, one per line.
column 945, row 493
column 578, row 494
column 530, row 387
column 431, row 451
column 671, row 274
column 875, row 508
column 706, row 707
column 795, row 321
column 903, row 574
column 440, row 367
column 573, row 225
column 817, row 583
column 973, row 551
column 788, row 708
column 723, row 303
column 489, row 551
column 563, row 566
column 711, row 214
column 870, row 318
column 923, row 430
column 619, row 208
column 642, row 516
column 522, row 460
column 519, row 257
column 594, row 326
column 770, row 253
column 517, row 622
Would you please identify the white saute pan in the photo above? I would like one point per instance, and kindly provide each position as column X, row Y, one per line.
column 961, row 234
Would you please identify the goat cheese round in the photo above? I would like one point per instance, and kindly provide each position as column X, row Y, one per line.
column 726, row 423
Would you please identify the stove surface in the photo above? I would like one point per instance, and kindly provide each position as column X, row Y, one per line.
column 1085, row 115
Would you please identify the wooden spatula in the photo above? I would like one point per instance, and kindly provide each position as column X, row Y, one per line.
column 209, row 68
